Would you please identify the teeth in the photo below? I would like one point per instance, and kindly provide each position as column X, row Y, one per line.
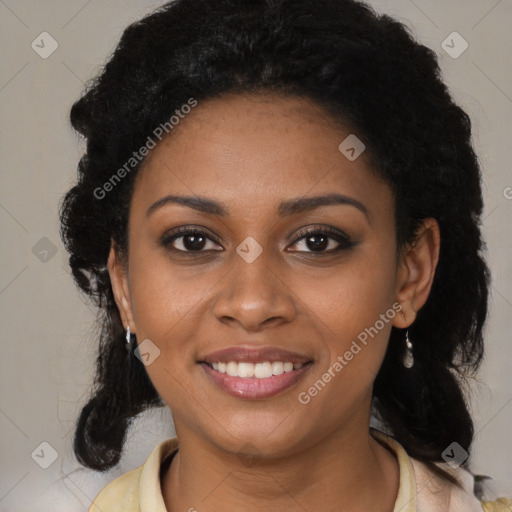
column 258, row 370
column 262, row 370
column 232, row 369
column 246, row 370
column 277, row 368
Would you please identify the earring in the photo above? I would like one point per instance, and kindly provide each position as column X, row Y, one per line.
column 408, row 360
column 128, row 336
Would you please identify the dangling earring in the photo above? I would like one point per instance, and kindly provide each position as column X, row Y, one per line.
column 128, row 336
column 408, row 360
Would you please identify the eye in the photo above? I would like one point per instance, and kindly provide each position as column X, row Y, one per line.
column 323, row 240
column 188, row 240
column 316, row 241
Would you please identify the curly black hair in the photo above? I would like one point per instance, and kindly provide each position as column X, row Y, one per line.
column 369, row 72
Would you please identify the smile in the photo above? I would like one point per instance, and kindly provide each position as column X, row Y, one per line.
column 255, row 380
column 259, row 370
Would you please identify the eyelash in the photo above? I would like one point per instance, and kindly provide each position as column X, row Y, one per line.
column 344, row 241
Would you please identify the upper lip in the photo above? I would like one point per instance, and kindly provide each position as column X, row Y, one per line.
column 254, row 355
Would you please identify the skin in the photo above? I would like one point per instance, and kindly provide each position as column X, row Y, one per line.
column 251, row 153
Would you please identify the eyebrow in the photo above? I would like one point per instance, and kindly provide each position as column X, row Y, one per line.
column 285, row 208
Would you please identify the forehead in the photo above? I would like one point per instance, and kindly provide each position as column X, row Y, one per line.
column 253, row 150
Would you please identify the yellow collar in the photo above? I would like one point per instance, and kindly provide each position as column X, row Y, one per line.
column 420, row 490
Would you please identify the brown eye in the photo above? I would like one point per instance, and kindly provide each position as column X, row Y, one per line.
column 188, row 240
column 325, row 240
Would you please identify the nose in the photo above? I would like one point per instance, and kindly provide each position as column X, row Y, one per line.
column 254, row 295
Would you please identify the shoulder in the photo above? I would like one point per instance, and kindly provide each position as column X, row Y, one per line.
column 137, row 490
column 435, row 493
column 122, row 494
column 423, row 490
column 500, row 505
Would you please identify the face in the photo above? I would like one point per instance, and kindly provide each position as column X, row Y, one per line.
column 251, row 264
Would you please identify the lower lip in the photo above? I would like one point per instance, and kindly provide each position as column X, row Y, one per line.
column 253, row 388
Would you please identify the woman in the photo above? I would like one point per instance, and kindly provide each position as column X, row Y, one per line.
column 278, row 215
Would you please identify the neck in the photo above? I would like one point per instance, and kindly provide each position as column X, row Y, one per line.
column 349, row 470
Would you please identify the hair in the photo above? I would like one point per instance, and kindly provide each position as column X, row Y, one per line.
column 368, row 72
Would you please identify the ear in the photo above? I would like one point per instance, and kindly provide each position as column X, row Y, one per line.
column 416, row 272
column 119, row 279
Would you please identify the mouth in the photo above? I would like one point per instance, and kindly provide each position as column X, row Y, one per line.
column 261, row 370
column 254, row 373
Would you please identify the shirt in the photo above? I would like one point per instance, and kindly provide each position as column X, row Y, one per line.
column 420, row 490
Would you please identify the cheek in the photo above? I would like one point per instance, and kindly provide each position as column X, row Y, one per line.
column 167, row 308
column 355, row 314
column 356, row 293
column 164, row 306
column 166, row 301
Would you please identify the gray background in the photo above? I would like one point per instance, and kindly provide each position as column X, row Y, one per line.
column 48, row 336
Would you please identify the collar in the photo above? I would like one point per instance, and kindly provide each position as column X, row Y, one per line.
column 420, row 490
